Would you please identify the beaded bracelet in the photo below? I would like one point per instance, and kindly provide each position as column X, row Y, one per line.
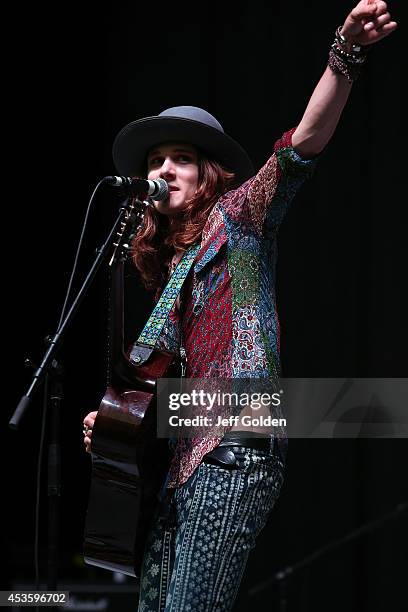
column 346, row 58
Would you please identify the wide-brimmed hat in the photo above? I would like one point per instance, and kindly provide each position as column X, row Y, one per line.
column 188, row 124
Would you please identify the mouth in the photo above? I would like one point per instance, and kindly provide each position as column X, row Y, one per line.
column 173, row 188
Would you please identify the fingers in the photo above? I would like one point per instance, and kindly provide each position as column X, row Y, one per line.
column 86, row 429
column 363, row 10
column 387, row 28
column 87, row 442
column 377, row 23
column 368, row 9
column 379, row 32
column 380, row 24
column 88, row 423
column 381, row 7
column 87, row 438
column 89, row 420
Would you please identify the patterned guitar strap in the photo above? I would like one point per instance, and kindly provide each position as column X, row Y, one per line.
column 146, row 342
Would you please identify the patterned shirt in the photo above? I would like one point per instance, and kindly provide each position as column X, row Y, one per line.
column 230, row 326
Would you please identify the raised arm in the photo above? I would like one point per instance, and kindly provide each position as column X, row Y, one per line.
column 368, row 23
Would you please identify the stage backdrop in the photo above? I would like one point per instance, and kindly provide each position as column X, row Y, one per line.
column 71, row 81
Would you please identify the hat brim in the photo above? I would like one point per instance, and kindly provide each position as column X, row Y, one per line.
column 132, row 143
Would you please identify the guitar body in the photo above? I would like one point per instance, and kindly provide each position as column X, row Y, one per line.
column 129, row 465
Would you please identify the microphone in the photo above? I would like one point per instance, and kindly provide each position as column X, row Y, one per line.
column 157, row 189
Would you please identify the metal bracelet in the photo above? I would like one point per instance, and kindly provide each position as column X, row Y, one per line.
column 344, row 43
column 348, row 57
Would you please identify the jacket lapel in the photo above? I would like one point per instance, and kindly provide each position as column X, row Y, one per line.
column 214, row 236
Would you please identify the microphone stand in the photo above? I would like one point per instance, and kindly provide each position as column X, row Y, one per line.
column 50, row 370
column 282, row 576
column 54, row 472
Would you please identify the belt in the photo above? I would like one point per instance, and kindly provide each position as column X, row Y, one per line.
column 223, row 455
column 254, row 441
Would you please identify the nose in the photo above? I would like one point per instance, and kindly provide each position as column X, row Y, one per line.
column 167, row 169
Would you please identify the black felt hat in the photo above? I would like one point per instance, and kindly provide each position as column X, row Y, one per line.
column 188, row 124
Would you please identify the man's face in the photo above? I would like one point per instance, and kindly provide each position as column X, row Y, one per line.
column 176, row 163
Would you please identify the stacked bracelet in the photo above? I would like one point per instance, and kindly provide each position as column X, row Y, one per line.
column 346, row 58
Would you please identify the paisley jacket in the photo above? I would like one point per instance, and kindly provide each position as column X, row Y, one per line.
column 230, row 326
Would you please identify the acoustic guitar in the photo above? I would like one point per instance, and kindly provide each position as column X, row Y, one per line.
column 129, row 463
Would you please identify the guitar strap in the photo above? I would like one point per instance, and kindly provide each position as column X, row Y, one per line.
column 146, row 342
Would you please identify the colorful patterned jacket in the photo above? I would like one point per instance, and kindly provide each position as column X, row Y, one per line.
column 230, row 326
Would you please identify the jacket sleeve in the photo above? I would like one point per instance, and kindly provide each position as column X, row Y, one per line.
column 265, row 198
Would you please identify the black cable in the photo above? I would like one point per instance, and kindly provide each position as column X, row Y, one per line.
column 78, row 250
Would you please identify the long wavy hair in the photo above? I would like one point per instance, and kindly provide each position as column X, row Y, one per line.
column 154, row 245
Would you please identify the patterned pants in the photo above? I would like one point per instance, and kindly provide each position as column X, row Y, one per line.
column 198, row 565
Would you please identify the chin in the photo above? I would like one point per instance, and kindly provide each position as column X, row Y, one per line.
column 167, row 207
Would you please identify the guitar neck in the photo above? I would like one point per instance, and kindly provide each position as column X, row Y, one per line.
column 116, row 317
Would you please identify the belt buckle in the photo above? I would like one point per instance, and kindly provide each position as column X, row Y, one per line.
column 223, row 456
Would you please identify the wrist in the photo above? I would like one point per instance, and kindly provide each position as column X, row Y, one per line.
column 346, row 57
column 347, row 41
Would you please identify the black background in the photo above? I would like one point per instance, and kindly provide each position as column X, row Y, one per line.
column 73, row 82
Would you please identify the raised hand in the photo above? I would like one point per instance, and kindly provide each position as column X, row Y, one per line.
column 368, row 23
